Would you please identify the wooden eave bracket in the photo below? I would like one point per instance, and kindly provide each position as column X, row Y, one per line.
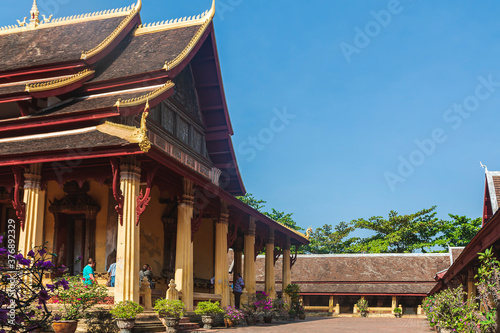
column 293, row 257
column 117, row 192
column 232, row 235
column 143, row 200
column 277, row 253
column 17, row 202
column 196, row 224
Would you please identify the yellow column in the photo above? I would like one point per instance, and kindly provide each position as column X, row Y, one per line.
column 249, row 278
column 221, row 269
column 34, row 198
column 270, row 279
column 184, row 249
column 238, row 262
column 394, row 303
column 330, row 305
column 128, row 242
column 287, row 274
column 471, row 287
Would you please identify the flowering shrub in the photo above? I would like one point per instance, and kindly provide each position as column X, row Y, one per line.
column 234, row 314
column 263, row 304
column 76, row 299
column 280, row 307
column 23, row 297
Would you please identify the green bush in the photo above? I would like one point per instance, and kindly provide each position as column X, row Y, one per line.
column 126, row 310
column 208, row 308
column 362, row 305
column 170, row 308
column 397, row 310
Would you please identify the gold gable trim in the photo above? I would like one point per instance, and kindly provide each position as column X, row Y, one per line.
column 59, row 83
column 145, row 98
column 184, row 54
column 108, row 40
column 50, row 23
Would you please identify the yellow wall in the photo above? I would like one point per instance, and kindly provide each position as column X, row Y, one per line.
column 53, row 192
column 204, row 251
column 152, row 234
column 100, row 195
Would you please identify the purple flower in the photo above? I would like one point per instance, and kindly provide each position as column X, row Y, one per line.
column 65, row 284
column 51, row 287
column 19, row 257
column 43, row 296
column 47, row 264
column 1, row 239
column 57, row 318
column 3, row 251
column 31, row 254
column 42, row 252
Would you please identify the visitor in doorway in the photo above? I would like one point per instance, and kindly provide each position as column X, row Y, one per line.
column 147, row 272
column 88, row 273
column 112, row 274
column 238, row 289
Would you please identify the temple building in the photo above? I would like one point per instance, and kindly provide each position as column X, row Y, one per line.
column 335, row 282
column 115, row 144
column 464, row 269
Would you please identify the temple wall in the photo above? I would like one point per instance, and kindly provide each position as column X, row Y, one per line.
column 53, row 192
column 152, row 235
column 204, row 251
column 100, row 195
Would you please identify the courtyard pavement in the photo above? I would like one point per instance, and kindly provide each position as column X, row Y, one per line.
column 341, row 325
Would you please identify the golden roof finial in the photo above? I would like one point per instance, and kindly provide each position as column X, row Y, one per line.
column 35, row 13
column 138, row 6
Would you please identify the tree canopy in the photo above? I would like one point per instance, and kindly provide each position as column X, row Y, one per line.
column 417, row 232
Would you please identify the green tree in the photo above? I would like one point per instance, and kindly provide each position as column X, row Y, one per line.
column 328, row 239
column 252, row 202
column 399, row 233
column 458, row 231
column 283, row 218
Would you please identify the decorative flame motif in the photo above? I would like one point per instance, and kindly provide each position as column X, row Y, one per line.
column 54, row 84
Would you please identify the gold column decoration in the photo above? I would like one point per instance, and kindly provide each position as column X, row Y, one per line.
column 270, row 278
column 34, row 198
column 287, row 274
column 249, row 272
column 184, row 250
column 128, row 243
column 221, row 270
column 238, row 262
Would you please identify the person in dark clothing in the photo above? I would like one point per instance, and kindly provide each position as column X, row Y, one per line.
column 238, row 289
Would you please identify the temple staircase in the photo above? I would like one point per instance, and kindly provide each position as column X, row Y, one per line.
column 148, row 321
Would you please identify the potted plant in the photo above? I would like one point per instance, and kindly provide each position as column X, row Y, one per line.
column 250, row 310
column 280, row 308
column 125, row 313
column 207, row 310
column 170, row 313
column 301, row 312
column 233, row 316
column 75, row 301
column 293, row 291
column 264, row 306
column 363, row 307
column 397, row 312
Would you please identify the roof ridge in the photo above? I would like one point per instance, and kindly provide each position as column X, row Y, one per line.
column 145, row 98
column 49, row 22
column 186, row 21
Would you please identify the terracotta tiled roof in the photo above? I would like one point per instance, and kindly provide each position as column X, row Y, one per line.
column 455, row 253
column 369, row 273
column 56, row 44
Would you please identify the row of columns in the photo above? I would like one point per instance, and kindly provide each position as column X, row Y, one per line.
column 128, row 240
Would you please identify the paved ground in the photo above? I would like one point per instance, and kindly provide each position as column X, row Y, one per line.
column 341, row 325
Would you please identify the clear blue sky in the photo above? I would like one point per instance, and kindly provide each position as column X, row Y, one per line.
column 363, row 87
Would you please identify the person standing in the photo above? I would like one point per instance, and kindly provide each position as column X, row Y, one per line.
column 238, row 290
column 88, row 273
column 112, row 274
